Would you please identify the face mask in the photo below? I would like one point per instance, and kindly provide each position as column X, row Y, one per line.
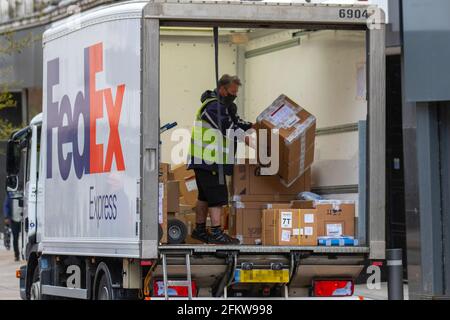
column 229, row 99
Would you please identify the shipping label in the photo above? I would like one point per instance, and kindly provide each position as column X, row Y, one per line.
column 286, row 220
column 286, row 235
column 334, row 230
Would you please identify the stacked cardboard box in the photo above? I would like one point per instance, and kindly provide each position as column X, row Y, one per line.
column 169, row 195
column 297, row 129
column 188, row 185
column 289, row 227
column 302, row 222
column 251, row 195
column 336, row 218
column 250, row 186
column 178, row 199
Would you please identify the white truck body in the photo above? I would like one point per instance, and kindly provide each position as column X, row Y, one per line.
column 91, row 129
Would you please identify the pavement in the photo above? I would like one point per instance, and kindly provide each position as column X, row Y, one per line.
column 377, row 294
column 9, row 285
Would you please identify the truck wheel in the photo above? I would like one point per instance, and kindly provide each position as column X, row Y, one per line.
column 35, row 290
column 105, row 291
column 176, row 231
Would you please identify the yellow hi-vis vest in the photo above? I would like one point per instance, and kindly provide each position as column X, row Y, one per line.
column 208, row 145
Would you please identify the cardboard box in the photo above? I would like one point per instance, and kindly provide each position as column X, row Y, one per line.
column 336, row 218
column 164, row 172
column 225, row 217
column 248, row 186
column 290, row 171
column 297, row 130
column 188, row 185
column 308, row 178
column 289, row 227
column 296, row 204
column 173, row 196
column 245, row 222
column 185, row 209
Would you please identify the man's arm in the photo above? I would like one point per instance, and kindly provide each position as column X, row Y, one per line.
column 239, row 123
column 214, row 114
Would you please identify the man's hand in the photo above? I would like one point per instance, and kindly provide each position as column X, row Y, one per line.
column 7, row 221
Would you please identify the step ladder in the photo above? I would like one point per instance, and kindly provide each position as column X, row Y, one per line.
column 183, row 283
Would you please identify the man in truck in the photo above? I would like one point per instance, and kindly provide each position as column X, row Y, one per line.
column 217, row 113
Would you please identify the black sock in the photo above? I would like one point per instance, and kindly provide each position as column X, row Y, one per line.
column 216, row 230
column 200, row 227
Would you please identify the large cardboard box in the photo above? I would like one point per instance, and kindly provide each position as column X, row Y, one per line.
column 188, row 185
column 249, row 186
column 245, row 222
column 297, row 130
column 289, row 227
column 335, row 218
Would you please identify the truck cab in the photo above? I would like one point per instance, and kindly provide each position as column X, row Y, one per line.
column 23, row 161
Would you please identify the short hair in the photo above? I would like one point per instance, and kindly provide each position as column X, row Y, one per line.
column 226, row 80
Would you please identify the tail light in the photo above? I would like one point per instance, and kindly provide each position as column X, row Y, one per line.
column 173, row 291
column 333, row 288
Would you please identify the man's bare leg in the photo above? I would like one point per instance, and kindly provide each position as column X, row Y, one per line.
column 201, row 212
column 217, row 234
column 215, row 216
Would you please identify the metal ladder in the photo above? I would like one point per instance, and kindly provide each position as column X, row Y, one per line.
column 184, row 283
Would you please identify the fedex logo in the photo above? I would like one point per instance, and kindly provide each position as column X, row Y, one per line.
column 65, row 116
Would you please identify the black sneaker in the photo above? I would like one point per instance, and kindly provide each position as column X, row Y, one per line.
column 202, row 236
column 222, row 238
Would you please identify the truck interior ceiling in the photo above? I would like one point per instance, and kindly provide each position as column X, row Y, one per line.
column 322, row 70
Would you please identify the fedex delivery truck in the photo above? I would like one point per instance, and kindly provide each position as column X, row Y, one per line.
column 91, row 164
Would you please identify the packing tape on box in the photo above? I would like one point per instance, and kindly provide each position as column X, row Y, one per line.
column 286, row 119
column 336, row 204
column 302, row 153
column 300, row 129
column 238, row 205
column 270, row 110
column 236, row 198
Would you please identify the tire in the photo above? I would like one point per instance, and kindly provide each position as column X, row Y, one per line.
column 35, row 289
column 105, row 291
column 176, row 231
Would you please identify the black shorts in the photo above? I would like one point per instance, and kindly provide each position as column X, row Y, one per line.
column 209, row 188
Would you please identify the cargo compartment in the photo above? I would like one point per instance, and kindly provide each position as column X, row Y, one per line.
column 307, row 118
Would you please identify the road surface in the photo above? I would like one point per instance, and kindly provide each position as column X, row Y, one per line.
column 9, row 285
